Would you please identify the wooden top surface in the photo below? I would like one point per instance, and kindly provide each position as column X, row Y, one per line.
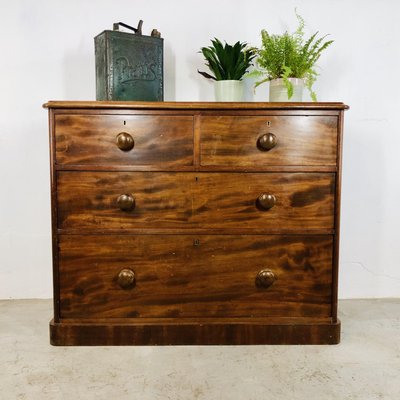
column 172, row 105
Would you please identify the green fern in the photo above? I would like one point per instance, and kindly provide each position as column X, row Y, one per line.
column 227, row 62
column 289, row 56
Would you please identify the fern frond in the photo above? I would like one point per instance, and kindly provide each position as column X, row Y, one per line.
column 290, row 55
column 288, row 84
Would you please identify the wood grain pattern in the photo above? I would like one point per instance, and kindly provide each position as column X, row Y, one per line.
column 198, row 332
column 193, row 276
column 198, row 168
column 54, row 212
column 302, row 140
column 91, row 139
column 196, row 239
column 189, row 200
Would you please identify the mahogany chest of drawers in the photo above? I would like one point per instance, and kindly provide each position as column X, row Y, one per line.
column 195, row 223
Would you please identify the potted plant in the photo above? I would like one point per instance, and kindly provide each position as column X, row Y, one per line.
column 228, row 64
column 288, row 61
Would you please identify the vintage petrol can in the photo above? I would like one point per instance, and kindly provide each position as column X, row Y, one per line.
column 129, row 66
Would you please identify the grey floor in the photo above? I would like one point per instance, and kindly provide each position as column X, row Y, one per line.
column 366, row 365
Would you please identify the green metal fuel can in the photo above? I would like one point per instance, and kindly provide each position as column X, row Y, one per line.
column 129, row 66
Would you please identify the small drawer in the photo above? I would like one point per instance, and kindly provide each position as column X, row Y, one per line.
column 124, row 140
column 195, row 276
column 262, row 141
column 272, row 202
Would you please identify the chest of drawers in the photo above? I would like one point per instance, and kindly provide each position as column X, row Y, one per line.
column 195, row 223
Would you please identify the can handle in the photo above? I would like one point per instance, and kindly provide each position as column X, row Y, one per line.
column 138, row 30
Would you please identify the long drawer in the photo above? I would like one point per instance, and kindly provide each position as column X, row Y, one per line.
column 166, row 141
column 194, row 275
column 128, row 200
column 268, row 140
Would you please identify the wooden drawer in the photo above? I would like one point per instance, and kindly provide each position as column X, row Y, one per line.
column 92, row 140
column 193, row 276
column 300, row 140
column 89, row 200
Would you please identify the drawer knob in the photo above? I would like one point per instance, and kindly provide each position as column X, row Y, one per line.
column 126, row 278
column 267, row 142
column 126, row 202
column 266, row 201
column 265, row 278
column 125, row 141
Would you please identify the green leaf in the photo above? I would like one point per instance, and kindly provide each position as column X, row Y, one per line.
column 261, row 82
column 290, row 55
column 288, row 84
column 208, row 76
column 228, row 61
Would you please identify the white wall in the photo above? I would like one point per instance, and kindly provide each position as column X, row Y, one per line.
column 46, row 52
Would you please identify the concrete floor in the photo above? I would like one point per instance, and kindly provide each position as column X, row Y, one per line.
column 366, row 365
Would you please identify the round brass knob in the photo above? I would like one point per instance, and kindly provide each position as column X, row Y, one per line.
column 266, row 201
column 126, row 202
column 126, row 278
column 125, row 141
column 265, row 278
column 267, row 141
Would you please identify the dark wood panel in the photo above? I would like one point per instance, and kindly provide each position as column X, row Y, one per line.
column 195, row 276
column 54, row 218
column 206, row 320
column 234, row 332
column 230, row 200
column 89, row 200
column 197, row 168
column 301, row 140
column 91, row 139
column 335, row 268
column 189, row 200
column 195, row 231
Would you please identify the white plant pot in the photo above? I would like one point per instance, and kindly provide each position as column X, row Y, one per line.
column 228, row 90
column 278, row 91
